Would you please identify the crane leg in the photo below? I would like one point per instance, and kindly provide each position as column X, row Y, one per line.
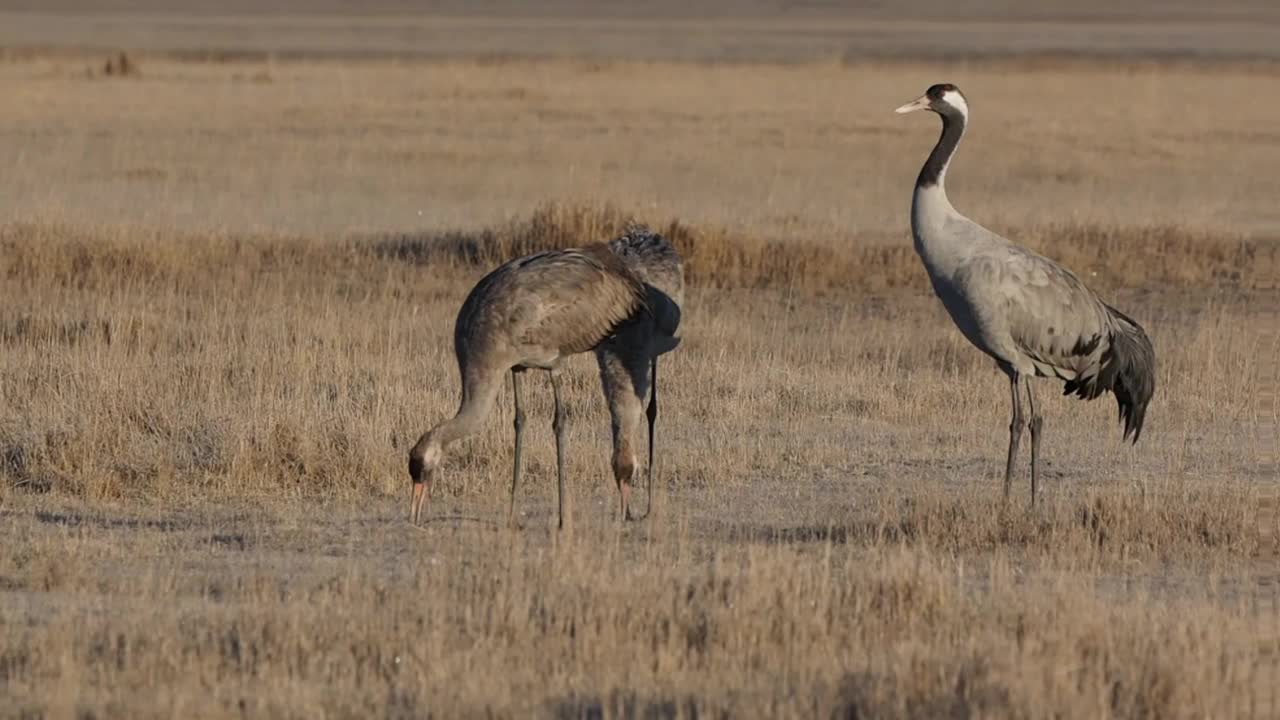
column 1015, row 431
column 653, row 417
column 518, row 424
column 557, row 426
column 1036, row 424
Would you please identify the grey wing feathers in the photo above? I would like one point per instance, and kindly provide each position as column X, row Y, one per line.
column 655, row 261
column 1054, row 318
column 641, row 243
column 1128, row 369
column 652, row 257
column 575, row 298
column 1069, row 333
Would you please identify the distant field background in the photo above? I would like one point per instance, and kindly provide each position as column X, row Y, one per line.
column 719, row 30
column 228, row 286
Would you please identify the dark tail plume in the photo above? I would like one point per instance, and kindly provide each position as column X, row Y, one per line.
column 1128, row 370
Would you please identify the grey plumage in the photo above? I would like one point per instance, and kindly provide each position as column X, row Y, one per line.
column 1033, row 316
column 535, row 311
column 655, row 260
column 1128, row 372
column 538, row 308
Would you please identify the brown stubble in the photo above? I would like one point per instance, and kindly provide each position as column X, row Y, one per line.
column 220, row 330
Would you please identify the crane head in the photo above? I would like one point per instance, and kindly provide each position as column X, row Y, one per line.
column 424, row 458
column 944, row 99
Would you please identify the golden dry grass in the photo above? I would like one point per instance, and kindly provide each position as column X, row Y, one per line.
column 352, row 614
column 222, row 325
column 790, row 152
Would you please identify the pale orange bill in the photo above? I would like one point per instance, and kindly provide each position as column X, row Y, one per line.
column 419, row 495
column 920, row 103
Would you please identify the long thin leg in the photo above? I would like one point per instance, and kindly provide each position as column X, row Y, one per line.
column 557, row 425
column 1015, row 432
column 518, row 423
column 653, row 417
column 1036, row 424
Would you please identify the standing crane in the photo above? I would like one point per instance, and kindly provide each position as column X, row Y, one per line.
column 621, row 299
column 1033, row 316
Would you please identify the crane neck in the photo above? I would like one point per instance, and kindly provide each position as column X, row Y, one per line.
column 479, row 391
column 935, row 168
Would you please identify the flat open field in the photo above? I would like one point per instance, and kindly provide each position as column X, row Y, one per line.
column 226, row 310
column 708, row 30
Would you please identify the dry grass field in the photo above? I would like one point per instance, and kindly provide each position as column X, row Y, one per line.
column 226, row 306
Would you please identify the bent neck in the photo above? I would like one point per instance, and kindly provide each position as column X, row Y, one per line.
column 934, row 171
column 479, row 391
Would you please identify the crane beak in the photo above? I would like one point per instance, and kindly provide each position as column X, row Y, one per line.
column 418, row 499
column 920, row 103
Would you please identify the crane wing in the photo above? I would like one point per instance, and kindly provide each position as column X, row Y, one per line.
column 574, row 299
column 1053, row 317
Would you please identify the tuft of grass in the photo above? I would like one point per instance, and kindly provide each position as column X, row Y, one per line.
column 1152, row 258
column 716, row 257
